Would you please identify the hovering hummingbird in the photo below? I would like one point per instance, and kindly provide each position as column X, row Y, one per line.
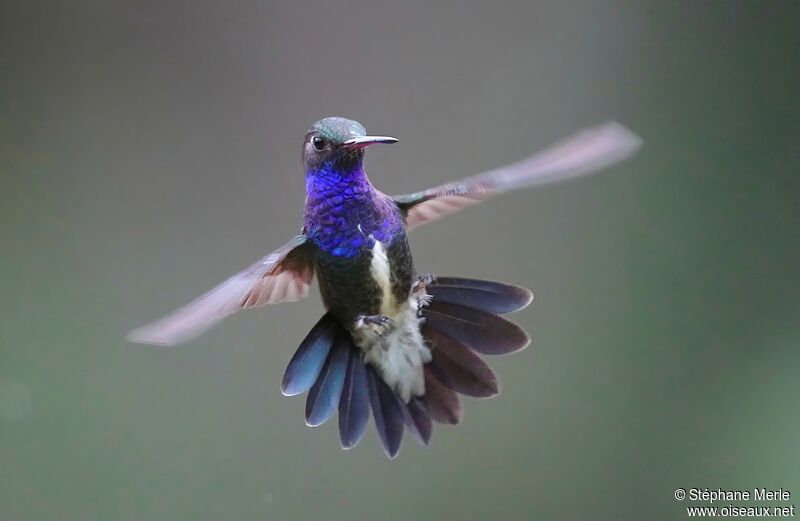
column 399, row 344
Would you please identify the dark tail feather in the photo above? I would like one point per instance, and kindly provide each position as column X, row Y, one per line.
column 442, row 403
column 484, row 295
column 461, row 319
column 387, row 413
column 354, row 404
column 307, row 362
column 483, row 332
column 323, row 397
column 459, row 368
column 417, row 420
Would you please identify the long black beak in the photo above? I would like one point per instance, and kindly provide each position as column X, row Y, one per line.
column 363, row 141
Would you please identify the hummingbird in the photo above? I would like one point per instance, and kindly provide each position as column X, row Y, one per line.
column 392, row 342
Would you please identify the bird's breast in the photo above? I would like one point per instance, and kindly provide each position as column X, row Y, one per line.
column 348, row 225
column 362, row 257
column 376, row 280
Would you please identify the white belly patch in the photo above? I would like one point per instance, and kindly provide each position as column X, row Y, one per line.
column 400, row 354
column 381, row 272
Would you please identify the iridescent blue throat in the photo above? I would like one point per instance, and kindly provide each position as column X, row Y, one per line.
column 344, row 214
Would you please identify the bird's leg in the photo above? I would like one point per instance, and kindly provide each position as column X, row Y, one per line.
column 379, row 325
column 423, row 281
column 418, row 290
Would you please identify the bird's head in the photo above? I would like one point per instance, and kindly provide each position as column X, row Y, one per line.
column 337, row 145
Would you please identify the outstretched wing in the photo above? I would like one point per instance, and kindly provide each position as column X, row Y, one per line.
column 282, row 276
column 584, row 153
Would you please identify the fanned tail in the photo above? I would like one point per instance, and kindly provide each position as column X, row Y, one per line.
column 417, row 419
column 354, row 404
column 460, row 323
column 387, row 413
column 323, row 397
column 483, row 295
column 307, row 362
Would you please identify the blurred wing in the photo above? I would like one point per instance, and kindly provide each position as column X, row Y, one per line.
column 584, row 153
column 282, row 276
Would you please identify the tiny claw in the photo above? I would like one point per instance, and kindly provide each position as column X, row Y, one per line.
column 418, row 290
column 423, row 301
column 423, row 282
column 379, row 324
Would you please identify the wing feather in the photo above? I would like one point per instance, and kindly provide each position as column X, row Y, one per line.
column 282, row 276
column 584, row 153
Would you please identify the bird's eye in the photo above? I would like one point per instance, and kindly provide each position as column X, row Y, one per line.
column 318, row 143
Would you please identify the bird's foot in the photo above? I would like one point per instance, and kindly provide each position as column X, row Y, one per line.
column 422, row 282
column 379, row 325
column 418, row 290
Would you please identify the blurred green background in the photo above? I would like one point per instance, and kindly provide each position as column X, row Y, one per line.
column 150, row 149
